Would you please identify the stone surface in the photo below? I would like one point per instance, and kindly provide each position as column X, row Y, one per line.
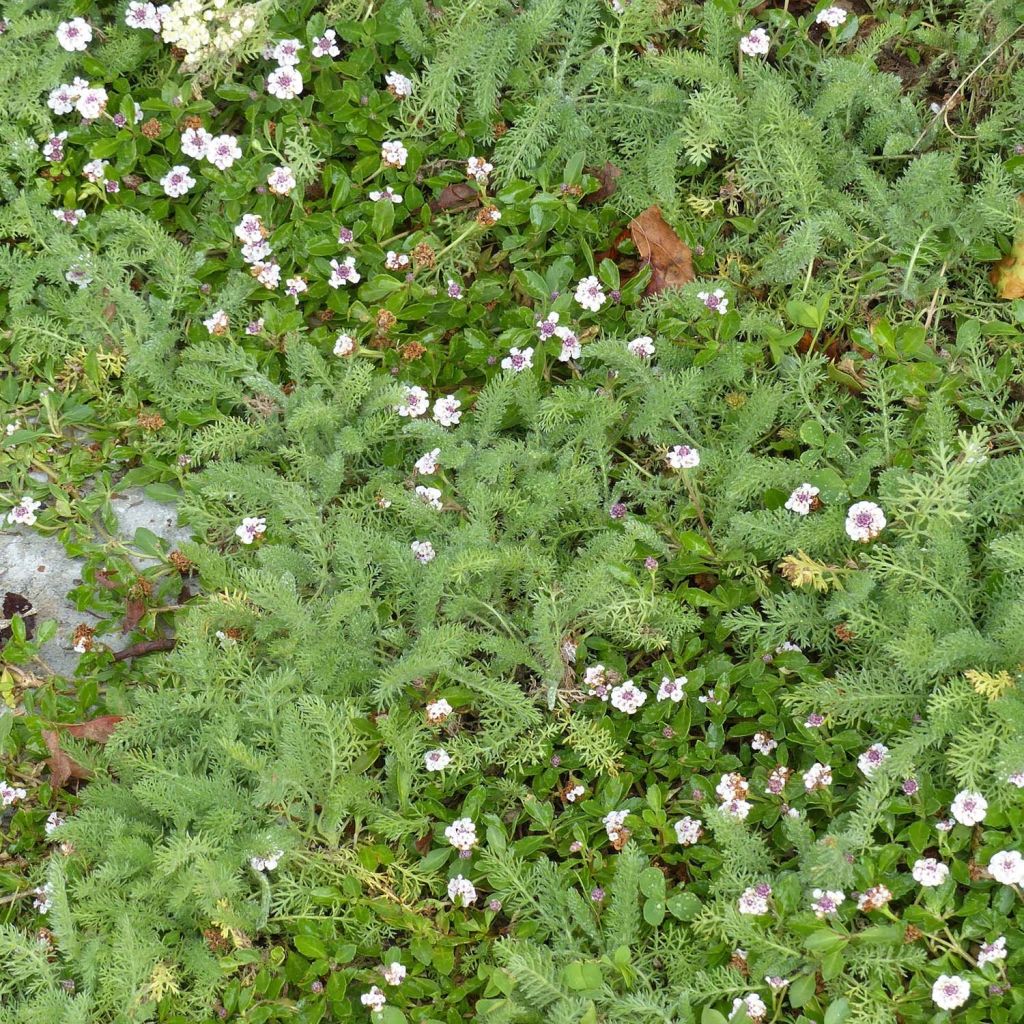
column 36, row 565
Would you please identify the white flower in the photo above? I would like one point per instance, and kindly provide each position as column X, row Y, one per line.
column 268, row 274
column 398, row 85
column 415, row 402
column 91, row 101
column 436, row 760
column 715, row 301
column 24, row 513
column 78, row 275
column 478, row 169
column 326, row 45
column 74, row 35
column 195, row 142
column 864, row 521
column 929, row 872
column 589, row 294
column 266, row 863
column 295, row 286
column 429, row 495
column 94, row 170
column 54, row 820
column 688, row 830
column 968, row 808
column 285, row 83
column 250, row 528
column 628, row 697
column 826, row 901
column 764, row 742
column 614, row 824
column 818, row 776
column 393, row 153
column 682, row 456
column 574, row 793
column 461, row 891
column 254, row 252
column 950, row 991
column 12, row 427
column 461, row 833
column 992, row 952
column 250, row 228
column 72, row 217
column 570, row 344
column 394, row 973
column 642, row 347
column 517, row 360
column 438, row 710
column 754, row 900
column 423, row 551
column 177, row 181
column 547, row 326
column 223, row 150
column 387, row 195
column 447, row 411
column 671, row 689
column 286, row 53
column 756, row 43
column 344, row 272
column 1007, row 867
column 732, row 786
column 874, row 898
column 62, row 99
column 873, row 758
column 43, row 898
column 753, row 1005
column 801, row 501
column 217, row 323
column 281, row 181
column 374, row 999
column 344, row 345
column 1016, row 779
column 831, row 16
column 142, row 15
column 427, row 464
column 396, row 260
column 10, row 795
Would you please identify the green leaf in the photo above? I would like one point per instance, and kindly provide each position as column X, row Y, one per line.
column 684, row 905
column 311, row 947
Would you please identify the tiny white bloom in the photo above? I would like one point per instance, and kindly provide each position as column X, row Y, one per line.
column 177, row 181
column 286, row 53
column 74, row 35
column 285, row 83
column 642, row 347
column 671, row 689
column 715, row 301
column 755, row 43
column 682, row 456
column 281, row 181
column 461, row 891
column 91, row 102
column 752, row 1005
column 688, row 830
column 344, row 272
column 250, row 528
column 217, row 323
column 461, row 833
column 427, row 464
column 394, row 973
column 438, row 710
column 430, row 496
column 754, row 900
column 864, row 521
column 222, row 151
column 387, row 194
column 396, row 260
column 374, row 999
column 818, row 776
column 929, row 872
column 992, row 952
column 344, row 345
column 447, row 411
column 801, row 501
column 968, row 808
column 873, row 758
column 24, row 513
column 570, row 344
column 950, row 991
column 614, row 824
column 833, row 17
column 415, row 402
column 393, row 153
column 195, row 142
column 517, row 360
column 142, row 15
column 628, row 697
column 589, row 294
column 826, row 902
column 423, row 551
column 326, row 45
column 478, row 169
column 436, row 760
column 1007, row 867
column 398, row 85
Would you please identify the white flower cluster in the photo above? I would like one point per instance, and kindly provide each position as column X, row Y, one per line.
column 461, row 833
column 200, row 29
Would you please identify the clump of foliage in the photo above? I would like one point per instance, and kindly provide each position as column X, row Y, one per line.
column 591, row 650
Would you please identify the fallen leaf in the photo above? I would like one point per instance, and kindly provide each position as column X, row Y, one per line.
column 16, row 604
column 669, row 256
column 1008, row 274
column 134, row 609
column 608, row 175
column 460, row 196
column 63, row 767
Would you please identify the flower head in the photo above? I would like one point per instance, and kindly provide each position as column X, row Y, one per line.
column 344, row 272
column 992, row 952
column 461, row 891
column 438, row 711
column 755, row 43
column 754, row 900
column 826, row 902
column 222, row 151
column 398, row 85
column 423, row 551
column 671, row 689
column 427, row 464
column 74, row 35
column 716, row 300
column 929, row 872
column 1007, row 867
column 864, row 521
column 436, row 760
column 802, row 500
column 394, row 972
column 589, row 294
column 818, row 776
column 950, row 991
column 873, row 758
column 447, row 411
column 24, row 513
column 374, row 999
column 250, row 528
column 642, row 347
column 518, row 360
column 285, row 83
column 393, row 154
column 325, row 45
column 415, row 402
column 195, row 142
column 461, row 833
column 968, row 808
column 286, row 52
column 628, row 697
column 833, row 17
column 688, row 830
column 177, row 181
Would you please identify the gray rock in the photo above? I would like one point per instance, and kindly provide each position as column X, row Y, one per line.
column 37, row 566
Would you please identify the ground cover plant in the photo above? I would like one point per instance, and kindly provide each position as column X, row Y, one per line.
column 600, row 427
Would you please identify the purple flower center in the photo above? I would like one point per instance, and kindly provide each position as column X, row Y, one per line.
column 712, row 302
column 864, row 519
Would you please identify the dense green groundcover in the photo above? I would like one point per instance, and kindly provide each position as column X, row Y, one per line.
column 566, row 636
